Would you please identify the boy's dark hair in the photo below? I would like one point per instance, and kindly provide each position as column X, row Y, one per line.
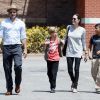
column 97, row 25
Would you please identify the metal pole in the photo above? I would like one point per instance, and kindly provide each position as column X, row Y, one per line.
column 24, row 9
column 11, row 2
column 46, row 11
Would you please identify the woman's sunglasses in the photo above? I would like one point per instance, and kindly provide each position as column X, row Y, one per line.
column 12, row 12
column 74, row 19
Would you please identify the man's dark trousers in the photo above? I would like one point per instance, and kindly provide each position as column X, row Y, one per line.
column 12, row 53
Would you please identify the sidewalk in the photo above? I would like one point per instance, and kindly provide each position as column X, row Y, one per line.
column 35, row 84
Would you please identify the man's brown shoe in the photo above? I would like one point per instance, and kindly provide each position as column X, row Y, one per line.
column 8, row 93
column 17, row 88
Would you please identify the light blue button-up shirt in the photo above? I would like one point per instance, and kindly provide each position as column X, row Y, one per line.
column 12, row 32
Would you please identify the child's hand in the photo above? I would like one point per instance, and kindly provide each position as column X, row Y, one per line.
column 62, row 41
column 85, row 59
column 47, row 41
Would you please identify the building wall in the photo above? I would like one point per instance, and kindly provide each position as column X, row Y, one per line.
column 4, row 4
column 56, row 12
column 90, row 12
column 48, row 12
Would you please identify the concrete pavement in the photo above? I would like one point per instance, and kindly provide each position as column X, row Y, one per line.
column 35, row 84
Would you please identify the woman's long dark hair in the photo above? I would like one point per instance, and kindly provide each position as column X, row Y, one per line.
column 78, row 17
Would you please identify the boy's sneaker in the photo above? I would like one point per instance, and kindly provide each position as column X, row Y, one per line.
column 72, row 88
column 52, row 90
column 97, row 88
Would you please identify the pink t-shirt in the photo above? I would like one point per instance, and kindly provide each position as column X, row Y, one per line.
column 53, row 54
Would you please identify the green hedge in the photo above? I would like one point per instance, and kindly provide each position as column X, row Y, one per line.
column 37, row 35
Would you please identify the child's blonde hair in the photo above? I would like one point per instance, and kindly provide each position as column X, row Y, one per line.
column 52, row 29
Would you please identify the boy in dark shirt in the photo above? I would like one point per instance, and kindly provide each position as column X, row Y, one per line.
column 94, row 54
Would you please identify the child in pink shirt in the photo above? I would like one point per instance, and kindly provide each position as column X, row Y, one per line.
column 52, row 57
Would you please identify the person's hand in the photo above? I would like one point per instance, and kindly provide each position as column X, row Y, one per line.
column 25, row 53
column 0, row 50
column 85, row 59
column 98, row 52
column 90, row 57
column 85, row 56
column 47, row 42
column 62, row 41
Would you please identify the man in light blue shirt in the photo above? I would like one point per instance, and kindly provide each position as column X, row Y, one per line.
column 13, row 33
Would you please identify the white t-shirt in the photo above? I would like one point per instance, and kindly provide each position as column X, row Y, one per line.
column 76, row 42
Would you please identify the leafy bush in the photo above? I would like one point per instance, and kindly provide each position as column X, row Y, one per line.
column 37, row 35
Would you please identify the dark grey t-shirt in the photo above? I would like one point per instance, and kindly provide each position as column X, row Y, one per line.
column 95, row 41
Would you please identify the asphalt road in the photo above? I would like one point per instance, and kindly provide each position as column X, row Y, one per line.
column 35, row 84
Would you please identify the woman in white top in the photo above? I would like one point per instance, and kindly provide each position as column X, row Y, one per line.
column 75, row 47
